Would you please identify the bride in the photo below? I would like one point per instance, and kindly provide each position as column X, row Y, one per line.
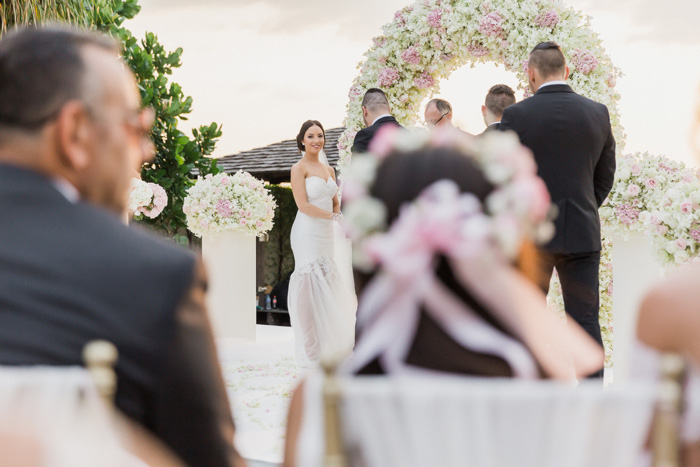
column 321, row 300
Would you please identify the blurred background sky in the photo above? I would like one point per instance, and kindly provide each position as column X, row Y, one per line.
column 262, row 67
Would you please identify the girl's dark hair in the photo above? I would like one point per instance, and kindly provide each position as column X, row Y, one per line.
column 304, row 127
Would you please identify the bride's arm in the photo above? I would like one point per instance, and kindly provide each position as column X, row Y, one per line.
column 336, row 201
column 299, row 192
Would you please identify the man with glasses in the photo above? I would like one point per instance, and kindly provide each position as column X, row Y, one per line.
column 72, row 134
column 438, row 113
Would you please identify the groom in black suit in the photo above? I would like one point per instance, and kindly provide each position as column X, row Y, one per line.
column 574, row 148
column 72, row 134
column 375, row 113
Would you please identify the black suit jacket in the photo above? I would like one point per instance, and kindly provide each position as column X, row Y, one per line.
column 492, row 127
column 71, row 273
column 365, row 135
column 574, row 148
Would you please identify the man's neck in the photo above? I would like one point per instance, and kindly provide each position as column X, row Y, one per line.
column 552, row 82
column 378, row 117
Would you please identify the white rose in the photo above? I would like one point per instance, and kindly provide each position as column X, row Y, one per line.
column 624, row 174
column 671, row 247
column 606, row 212
column 681, row 257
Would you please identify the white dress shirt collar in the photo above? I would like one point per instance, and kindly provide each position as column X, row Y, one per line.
column 552, row 83
column 381, row 116
column 66, row 189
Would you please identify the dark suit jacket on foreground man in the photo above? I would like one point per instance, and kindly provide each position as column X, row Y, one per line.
column 376, row 113
column 71, row 136
column 574, row 148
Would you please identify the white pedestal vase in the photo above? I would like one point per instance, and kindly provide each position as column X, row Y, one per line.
column 230, row 261
column 634, row 271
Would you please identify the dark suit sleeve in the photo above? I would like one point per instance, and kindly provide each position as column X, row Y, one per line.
column 604, row 175
column 193, row 411
column 508, row 120
column 361, row 143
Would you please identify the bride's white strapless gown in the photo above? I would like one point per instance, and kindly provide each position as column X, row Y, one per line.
column 321, row 301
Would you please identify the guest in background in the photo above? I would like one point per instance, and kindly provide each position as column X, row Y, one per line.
column 375, row 113
column 499, row 98
column 72, row 133
column 438, row 114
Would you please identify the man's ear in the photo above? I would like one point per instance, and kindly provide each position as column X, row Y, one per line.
column 531, row 74
column 566, row 75
column 72, row 135
column 365, row 112
column 483, row 110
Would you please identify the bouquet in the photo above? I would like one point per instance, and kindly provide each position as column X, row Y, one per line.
column 222, row 202
column 146, row 199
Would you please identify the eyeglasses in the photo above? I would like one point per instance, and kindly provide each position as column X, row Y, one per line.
column 429, row 123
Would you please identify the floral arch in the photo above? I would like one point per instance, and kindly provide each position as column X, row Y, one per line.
column 429, row 39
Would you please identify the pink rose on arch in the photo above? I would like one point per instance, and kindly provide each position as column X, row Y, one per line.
column 661, row 230
column 437, row 42
column 686, row 206
column 652, row 183
column 411, row 55
column 584, row 61
column 654, row 219
column 477, row 50
column 681, row 243
column 633, row 190
column 424, row 81
column 490, row 24
column 687, row 178
column 387, row 77
column 434, row 18
column 244, row 222
column 635, row 169
column 548, row 19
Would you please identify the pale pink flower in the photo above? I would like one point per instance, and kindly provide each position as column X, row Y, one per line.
column 548, row 19
column 635, row 169
column 411, row 55
column 259, row 224
column 203, row 223
column 437, row 42
column 244, row 222
column 525, row 65
column 225, row 181
column 584, row 61
column 687, row 178
column 633, row 190
column 652, row 183
column 434, row 18
column 661, row 230
column 424, row 81
column 681, row 243
column 611, row 80
column 686, row 206
column 654, row 219
column 490, row 24
column 223, row 207
column 477, row 50
column 208, row 177
column 387, row 77
column 399, row 18
column 379, row 41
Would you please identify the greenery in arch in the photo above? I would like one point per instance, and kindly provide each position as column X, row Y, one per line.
column 177, row 154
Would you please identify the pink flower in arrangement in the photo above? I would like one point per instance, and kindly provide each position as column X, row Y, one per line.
column 584, row 61
column 626, row 213
column 223, row 207
column 635, row 169
column 686, row 206
column 424, row 81
column 399, row 18
column 437, row 42
column 477, row 50
column 446, row 57
column 652, row 183
column 244, row 222
column 490, row 24
column 610, row 289
column 404, row 98
column 485, row 7
column 225, row 181
column 382, row 60
column 241, row 213
column 661, row 230
column 204, row 224
column 633, row 190
column 548, row 19
column 355, row 91
column 379, row 41
column 695, row 234
column 681, row 243
column 687, row 177
column 654, row 220
column 611, row 80
column 259, row 224
column 525, row 64
column 387, row 77
column 434, row 18
column 411, row 55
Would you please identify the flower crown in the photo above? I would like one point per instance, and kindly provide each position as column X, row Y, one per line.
column 443, row 220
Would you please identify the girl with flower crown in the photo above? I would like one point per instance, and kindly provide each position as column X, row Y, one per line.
column 441, row 225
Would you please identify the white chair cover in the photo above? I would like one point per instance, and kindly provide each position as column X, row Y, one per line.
column 60, row 410
column 448, row 421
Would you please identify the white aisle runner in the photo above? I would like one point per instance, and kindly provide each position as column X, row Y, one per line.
column 260, row 377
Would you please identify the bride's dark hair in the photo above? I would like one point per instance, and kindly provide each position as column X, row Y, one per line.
column 304, row 127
